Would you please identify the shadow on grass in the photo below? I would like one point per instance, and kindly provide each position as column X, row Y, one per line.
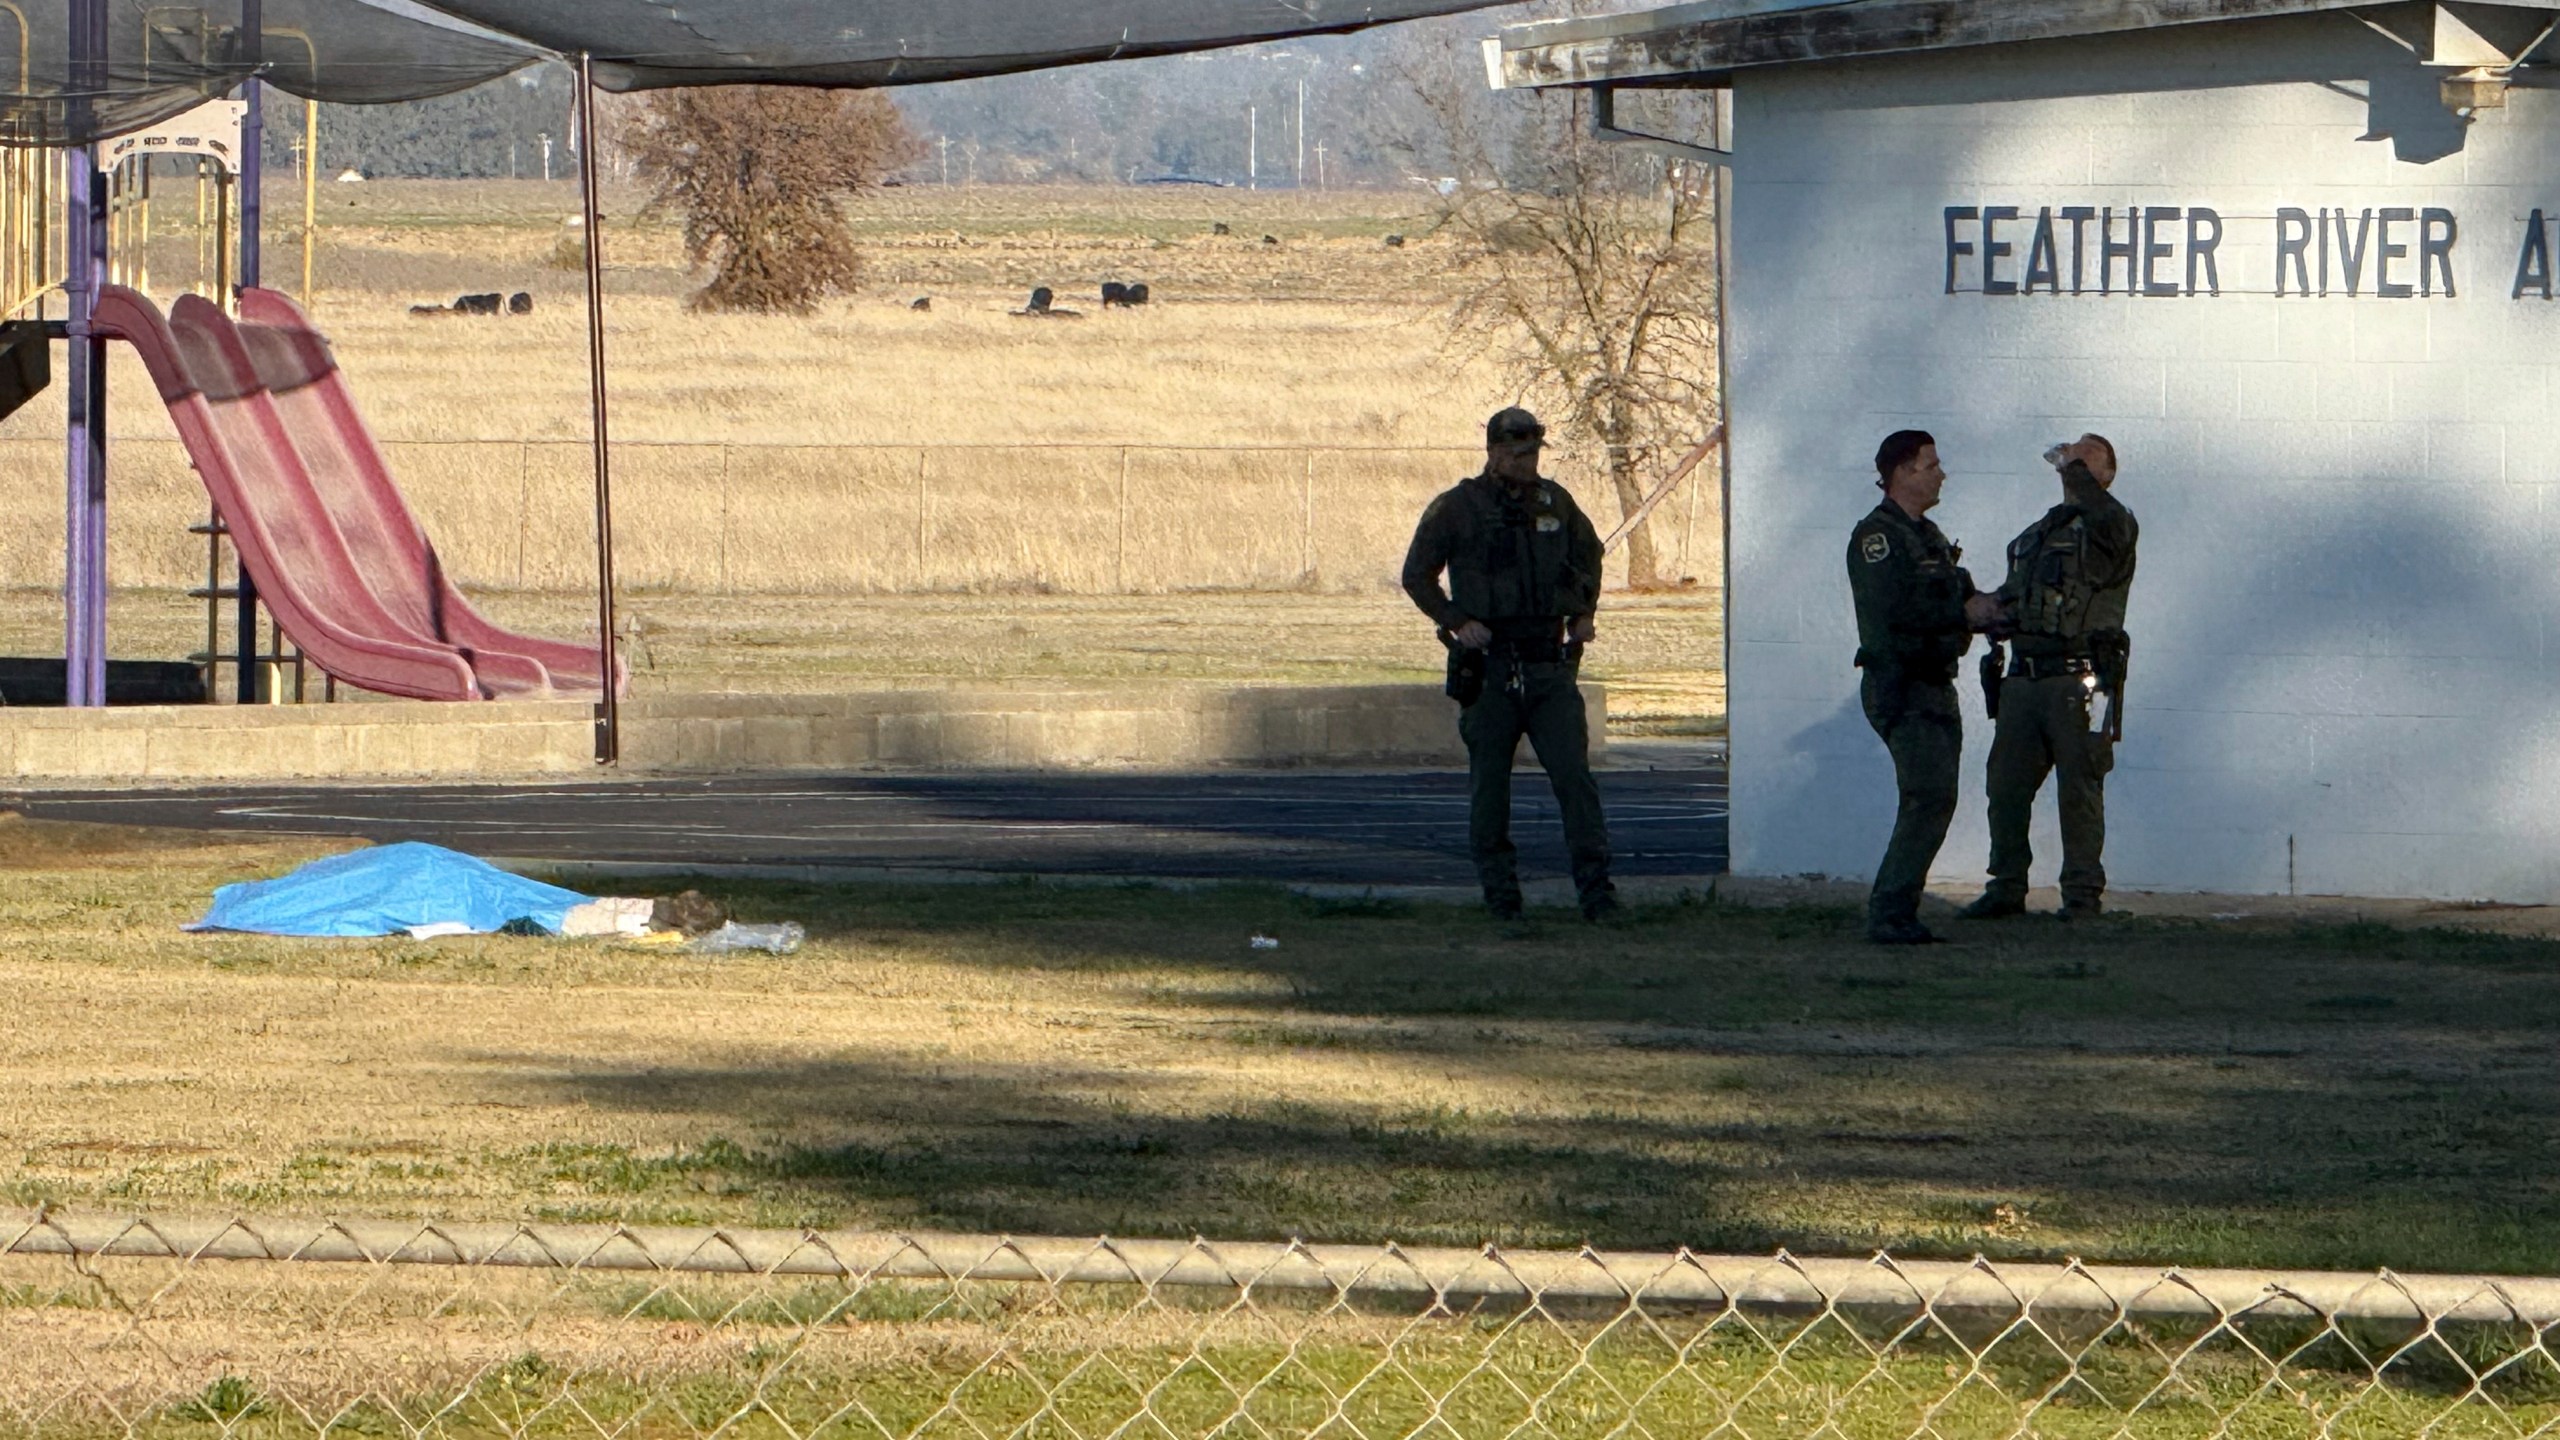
column 1733, row 1080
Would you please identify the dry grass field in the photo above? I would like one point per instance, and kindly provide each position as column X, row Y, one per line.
column 1220, row 484
column 1660, row 655
column 1324, row 339
column 1013, row 1057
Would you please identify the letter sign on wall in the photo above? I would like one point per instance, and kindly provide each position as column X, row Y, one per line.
column 2389, row 252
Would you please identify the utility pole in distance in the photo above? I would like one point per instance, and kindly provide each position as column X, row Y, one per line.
column 1298, row 177
column 1252, row 148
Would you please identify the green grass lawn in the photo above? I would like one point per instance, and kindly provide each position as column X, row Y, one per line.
column 1085, row 1061
column 1082, row 1061
column 1486, row 1376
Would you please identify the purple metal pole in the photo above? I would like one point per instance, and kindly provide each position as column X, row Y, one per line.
column 84, row 546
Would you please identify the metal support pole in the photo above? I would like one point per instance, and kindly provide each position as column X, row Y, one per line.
column 253, row 166
column 310, row 192
column 247, row 668
column 85, row 482
column 609, row 708
column 84, row 593
column 1722, row 193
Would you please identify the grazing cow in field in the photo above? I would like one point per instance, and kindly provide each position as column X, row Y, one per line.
column 1395, row 242
column 492, row 303
column 1114, row 293
column 1137, row 294
column 1220, row 228
column 921, row 302
column 1042, row 308
column 1270, row 239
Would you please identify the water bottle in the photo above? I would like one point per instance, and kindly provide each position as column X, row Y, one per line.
column 733, row 937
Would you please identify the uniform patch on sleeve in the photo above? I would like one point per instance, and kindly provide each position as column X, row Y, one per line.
column 1875, row 547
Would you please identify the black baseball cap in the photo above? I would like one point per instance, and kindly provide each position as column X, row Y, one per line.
column 1513, row 424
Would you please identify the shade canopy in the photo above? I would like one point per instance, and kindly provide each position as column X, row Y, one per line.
column 161, row 60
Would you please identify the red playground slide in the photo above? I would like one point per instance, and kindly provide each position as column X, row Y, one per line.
column 367, row 611
column 319, row 414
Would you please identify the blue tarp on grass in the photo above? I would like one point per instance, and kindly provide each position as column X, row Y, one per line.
column 388, row 890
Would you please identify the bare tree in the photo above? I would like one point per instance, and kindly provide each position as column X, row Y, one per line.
column 1591, row 272
column 761, row 174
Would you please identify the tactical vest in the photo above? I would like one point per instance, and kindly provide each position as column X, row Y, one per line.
column 1513, row 556
column 2057, row 596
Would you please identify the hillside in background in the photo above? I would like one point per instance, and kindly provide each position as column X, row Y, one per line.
column 1228, row 115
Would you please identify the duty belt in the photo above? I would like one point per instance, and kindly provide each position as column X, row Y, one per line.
column 1541, row 651
column 2050, row 667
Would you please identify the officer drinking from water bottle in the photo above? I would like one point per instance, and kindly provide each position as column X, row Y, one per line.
column 1524, row 584
column 2058, row 705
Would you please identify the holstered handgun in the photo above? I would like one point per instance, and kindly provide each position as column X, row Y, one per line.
column 1995, row 664
column 1466, row 672
column 2111, row 651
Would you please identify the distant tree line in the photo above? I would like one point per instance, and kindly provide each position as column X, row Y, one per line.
column 491, row 131
column 1228, row 115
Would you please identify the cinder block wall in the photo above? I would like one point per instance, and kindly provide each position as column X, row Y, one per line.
column 2341, row 676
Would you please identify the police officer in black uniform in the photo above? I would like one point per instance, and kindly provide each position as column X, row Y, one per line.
column 1524, row 584
column 1917, row 611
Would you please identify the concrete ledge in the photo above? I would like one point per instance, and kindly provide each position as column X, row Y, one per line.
column 1940, row 902
column 944, row 728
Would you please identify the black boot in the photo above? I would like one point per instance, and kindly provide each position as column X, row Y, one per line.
column 1899, row 932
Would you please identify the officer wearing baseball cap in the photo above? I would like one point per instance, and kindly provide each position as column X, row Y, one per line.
column 1523, row 567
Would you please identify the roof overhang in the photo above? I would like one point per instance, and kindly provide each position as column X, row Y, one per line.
column 1706, row 41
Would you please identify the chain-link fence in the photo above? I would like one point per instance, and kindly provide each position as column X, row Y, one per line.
column 746, row 519
column 262, row 1328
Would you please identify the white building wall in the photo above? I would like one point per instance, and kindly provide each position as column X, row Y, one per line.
column 2342, row 678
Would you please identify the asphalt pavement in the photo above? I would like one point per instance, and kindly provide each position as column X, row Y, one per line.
column 1330, row 829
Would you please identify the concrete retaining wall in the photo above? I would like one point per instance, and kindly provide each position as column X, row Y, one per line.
column 1157, row 727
